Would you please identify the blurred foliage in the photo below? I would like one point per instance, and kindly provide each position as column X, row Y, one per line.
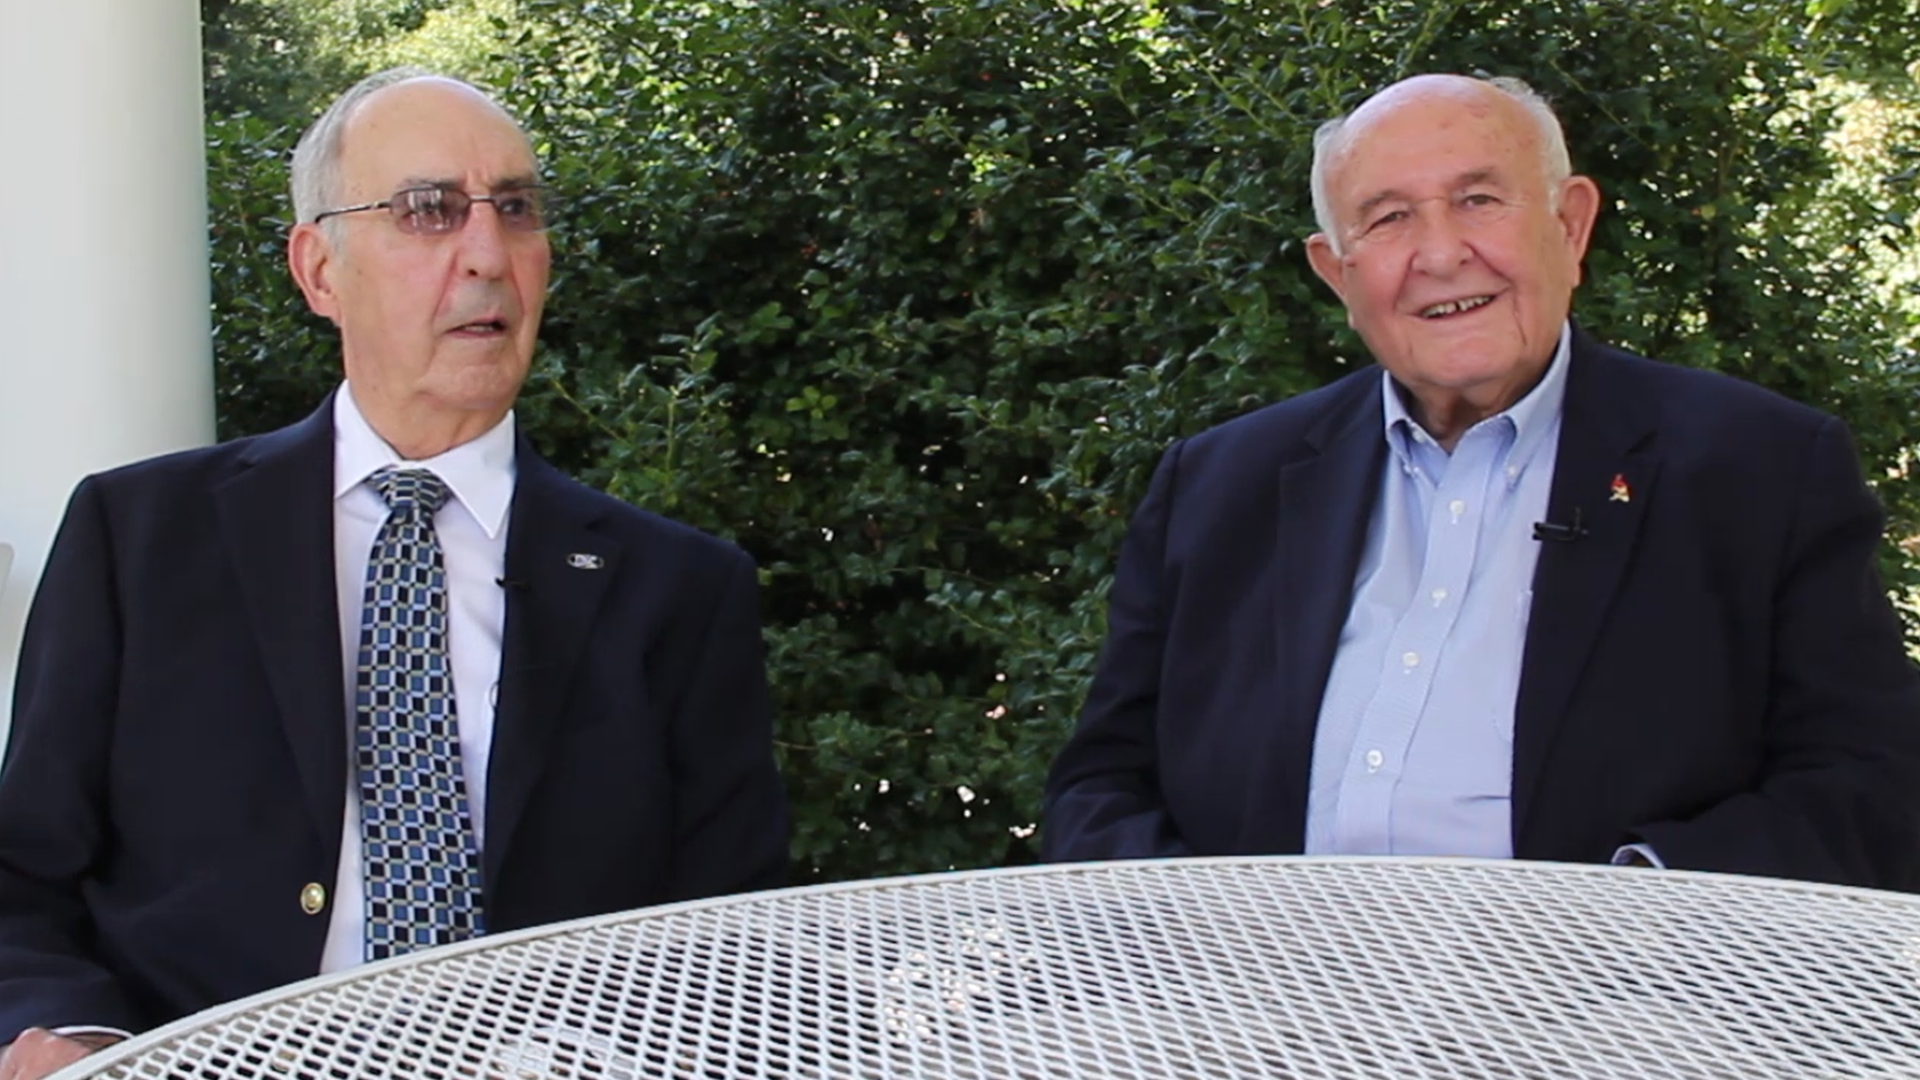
column 907, row 298
column 283, row 60
column 1867, row 39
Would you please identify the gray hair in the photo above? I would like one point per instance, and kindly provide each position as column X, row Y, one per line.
column 315, row 172
column 1555, row 165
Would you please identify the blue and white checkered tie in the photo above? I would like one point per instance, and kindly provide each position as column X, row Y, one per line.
column 421, row 860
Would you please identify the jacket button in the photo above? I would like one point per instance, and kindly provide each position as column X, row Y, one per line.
column 313, row 897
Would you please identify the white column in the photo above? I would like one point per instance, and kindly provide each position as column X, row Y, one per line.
column 105, row 353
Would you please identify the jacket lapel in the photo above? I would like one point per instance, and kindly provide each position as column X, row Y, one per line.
column 276, row 518
column 1605, row 474
column 558, row 568
column 1337, row 475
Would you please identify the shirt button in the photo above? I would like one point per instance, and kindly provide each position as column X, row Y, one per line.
column 1374, row 760
column 1439, row 597
column 313, row 897
column 1410, row 659
column 1457, row 507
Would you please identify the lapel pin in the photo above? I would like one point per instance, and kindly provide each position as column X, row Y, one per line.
column 581, row 560
column 1621, row 492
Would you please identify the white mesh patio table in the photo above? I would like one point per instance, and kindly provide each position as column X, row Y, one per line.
column 1283, row 968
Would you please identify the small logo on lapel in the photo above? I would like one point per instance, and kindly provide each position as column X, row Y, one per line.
column 581, row 560
column 1621, row 492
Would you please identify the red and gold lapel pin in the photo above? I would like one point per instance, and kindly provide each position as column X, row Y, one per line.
column 1620, row 491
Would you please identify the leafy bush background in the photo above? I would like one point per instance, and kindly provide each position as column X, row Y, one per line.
column 907, row 298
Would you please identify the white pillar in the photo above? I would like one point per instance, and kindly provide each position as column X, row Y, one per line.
column 105, row 353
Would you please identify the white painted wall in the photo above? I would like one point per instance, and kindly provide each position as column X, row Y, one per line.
column 105, row 355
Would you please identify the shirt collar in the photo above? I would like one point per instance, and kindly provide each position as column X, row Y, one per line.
column 479, row 473
column 1532, row 417
column 1538, row 414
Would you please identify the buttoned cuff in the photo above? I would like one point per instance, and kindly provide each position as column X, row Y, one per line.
column 90, row 1029
column 1625, row 856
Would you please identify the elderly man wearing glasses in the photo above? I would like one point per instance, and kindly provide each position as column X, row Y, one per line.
column 383, row 679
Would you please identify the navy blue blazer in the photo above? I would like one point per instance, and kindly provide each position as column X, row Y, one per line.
column 1713, row 668
column 177, row 771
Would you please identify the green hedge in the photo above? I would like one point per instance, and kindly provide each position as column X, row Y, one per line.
column 908, row 298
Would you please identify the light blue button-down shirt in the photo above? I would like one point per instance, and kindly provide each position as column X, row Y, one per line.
column 1413, row 754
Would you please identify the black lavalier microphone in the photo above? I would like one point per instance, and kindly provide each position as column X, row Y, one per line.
column 1561, row 534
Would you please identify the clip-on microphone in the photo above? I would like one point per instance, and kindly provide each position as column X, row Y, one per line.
column 1561, row 534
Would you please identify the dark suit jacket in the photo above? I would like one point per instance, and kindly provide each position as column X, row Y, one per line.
column 1713, row 668
column 177, row 770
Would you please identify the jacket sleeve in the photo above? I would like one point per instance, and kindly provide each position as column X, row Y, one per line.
column 1103, row 794
column 730, row 807
column 1838, row 794
column 53, row 822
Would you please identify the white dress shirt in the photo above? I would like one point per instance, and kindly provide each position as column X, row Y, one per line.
column 472, row 527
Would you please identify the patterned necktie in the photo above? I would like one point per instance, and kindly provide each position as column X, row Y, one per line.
column 421, row 861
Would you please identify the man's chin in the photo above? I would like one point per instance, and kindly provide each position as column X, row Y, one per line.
column 482, row 381
column 463, row 353
column 483, row 343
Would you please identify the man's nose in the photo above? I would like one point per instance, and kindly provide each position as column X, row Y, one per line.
column 1439, row 240
column 483, row 242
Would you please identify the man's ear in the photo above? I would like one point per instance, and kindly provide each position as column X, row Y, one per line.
column 1326, row 263
column 1579, row 206
column 310, row 257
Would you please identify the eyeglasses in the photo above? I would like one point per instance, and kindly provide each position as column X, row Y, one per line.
column 434, row 208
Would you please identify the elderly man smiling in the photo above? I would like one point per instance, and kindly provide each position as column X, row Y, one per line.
column 1513, row 593
column 383, row 679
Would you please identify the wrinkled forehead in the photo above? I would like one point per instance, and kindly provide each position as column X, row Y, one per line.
column 427, row 131
column 1430, row 135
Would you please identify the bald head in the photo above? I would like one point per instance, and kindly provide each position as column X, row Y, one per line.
column 1485, row 97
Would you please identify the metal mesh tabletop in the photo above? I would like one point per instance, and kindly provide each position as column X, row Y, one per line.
column 1283, row 968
